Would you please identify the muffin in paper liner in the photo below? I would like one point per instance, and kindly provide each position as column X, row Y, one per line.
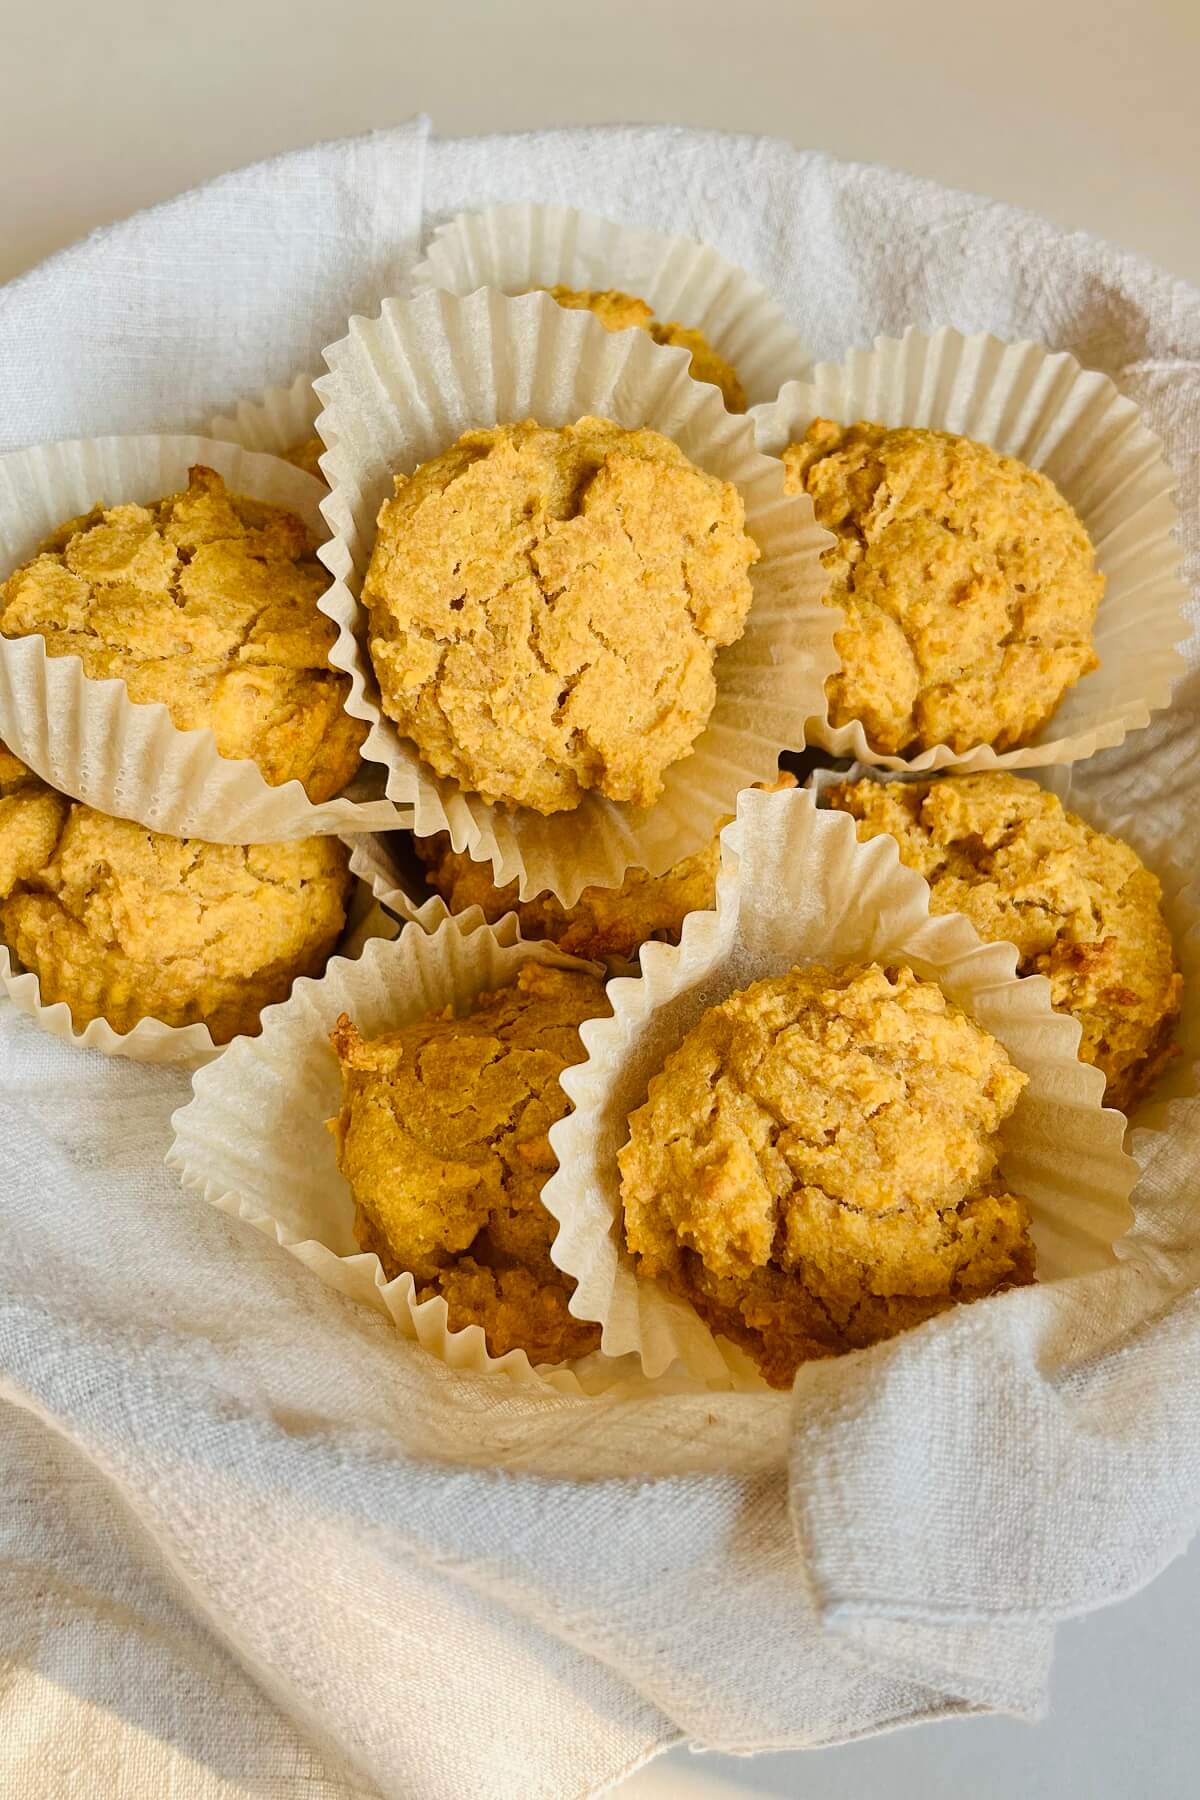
column 1072, row 423
column 85, row 736
column 1180, row 906
column 796, row 886
column 530, row 245
column 402, row 388
column 253, row 1138
column 150, row 1041
column 278, row 420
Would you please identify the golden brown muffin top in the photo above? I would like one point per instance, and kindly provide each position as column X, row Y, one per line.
column 815, row 1167
column 1081, row 908
column 124, row 923
column 546, row 605
column 605, row 921
column 442, row 1137
column 968, row 585
column 618, row 312
column 207, row 602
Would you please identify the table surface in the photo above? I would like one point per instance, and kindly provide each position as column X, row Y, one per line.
column 1084, row 113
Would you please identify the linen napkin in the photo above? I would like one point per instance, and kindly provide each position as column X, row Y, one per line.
column 254, row 1544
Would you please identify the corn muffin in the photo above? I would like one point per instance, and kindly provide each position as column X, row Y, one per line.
column 605, row 921
column 968, row 586
column 442, row 1137
column 124, row 924
column 1079, row 906
column 546, row 607
column 306, row 455
column 815, row 1167
column 618, row 312
column 207, row 602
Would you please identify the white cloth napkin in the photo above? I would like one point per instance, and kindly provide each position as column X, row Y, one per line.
column 252, row 1543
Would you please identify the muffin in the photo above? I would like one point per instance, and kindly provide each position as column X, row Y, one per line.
column 546, row 606
column 124, row 924
column 207, row 602
column 1079, row 906
column 815, row 1167
column 617, row 312
column 605, row 921
column 442, row 1137
column 306, row 455
column 967, row 584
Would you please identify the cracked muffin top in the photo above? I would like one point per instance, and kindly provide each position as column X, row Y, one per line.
column 605, row 921
column 124, row 924
column 816, row 1166
column 207, row 602
column 968, row 586
column 618, row 312
column 442, row 1137
column 1080, row 906
column 546, row 607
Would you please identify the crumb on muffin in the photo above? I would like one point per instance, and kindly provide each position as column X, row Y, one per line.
column 123, row 924
column 605, row 921
column 546, row 607
column 442, row 1136
column 968, row 586
column 816, row 1166
column 619, row 312
column 1080, row 906
column 206, row 602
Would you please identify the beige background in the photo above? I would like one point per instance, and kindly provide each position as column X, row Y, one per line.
column 1085, row 110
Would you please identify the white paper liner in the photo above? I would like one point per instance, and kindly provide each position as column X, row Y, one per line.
column 274, row 423
column 1043, row 408
column 149, row 1040
column 253, row 1138
column 528, row 245
column 796, row 886
column 388, row 864
column 1180, row 905
column 86, row 737
column 402, row 388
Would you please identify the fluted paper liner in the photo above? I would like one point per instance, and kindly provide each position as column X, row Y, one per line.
column 253, row 1139
column 1043, row 408
column 149, row 1040
column 389, row 865
column 796, row 886
column 402, row 388
column 87, row 737
column 276, row 421
column 528, row 245
column 1180, row 905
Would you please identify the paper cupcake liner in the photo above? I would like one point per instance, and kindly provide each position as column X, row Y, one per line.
column 523, row 246
column 86, row 737
column 149, row 1040
column 1180, row 905
column 402, row 388
column 274, row 423
column 254, row 1143
column 1043, row 408
column 389, row 865
column 796, row 886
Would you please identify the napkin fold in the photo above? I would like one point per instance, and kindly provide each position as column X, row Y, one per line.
column 255, row 1544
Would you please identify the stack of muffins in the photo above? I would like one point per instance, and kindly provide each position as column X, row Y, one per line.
column 819, row 1162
